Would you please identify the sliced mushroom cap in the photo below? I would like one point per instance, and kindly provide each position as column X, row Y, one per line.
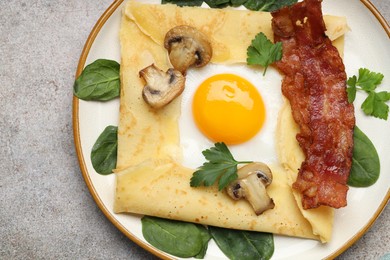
column 186, row 47
column 161, row 87
column 251, row 185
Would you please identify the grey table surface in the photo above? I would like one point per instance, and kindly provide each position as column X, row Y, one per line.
column 46, row 210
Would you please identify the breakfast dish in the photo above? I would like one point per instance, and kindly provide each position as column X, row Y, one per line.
column 149, row 154
column 154, row 144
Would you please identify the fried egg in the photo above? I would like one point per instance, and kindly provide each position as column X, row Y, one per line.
column 234, row 104
column 228, row 108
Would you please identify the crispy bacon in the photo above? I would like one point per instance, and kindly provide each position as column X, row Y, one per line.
column 315, row 85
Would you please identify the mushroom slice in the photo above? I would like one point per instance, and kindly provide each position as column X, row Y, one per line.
column 251, row 184
column 186, row 47
column 161, row 87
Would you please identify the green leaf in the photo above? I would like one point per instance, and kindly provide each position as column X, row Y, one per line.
column 368, row 80
column 368, row 104
column 220, row 166
column 279, row 4
column 383, row 96
column 218, row 153
column 381, row 109
column 183, row 2
column 237, row 3
column 351, row 90
column 267, row 5
column 255, row 5
column 178, row 238
column 375, row 103
column 227, row 177
column 242, row 245
column 217, row 3
column 205, row 236
column 263, row 52
column 104, row 151
column 365, row 161
column 208, row 174
column 99, row 81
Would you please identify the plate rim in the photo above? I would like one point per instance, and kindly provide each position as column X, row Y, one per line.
column 77, row 140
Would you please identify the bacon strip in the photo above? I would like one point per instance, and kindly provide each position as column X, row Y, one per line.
column 315, row 85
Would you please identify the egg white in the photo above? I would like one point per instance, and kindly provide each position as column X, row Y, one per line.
column 262, row 146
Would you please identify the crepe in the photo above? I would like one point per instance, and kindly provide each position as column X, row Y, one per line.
column 291, row 157
column 149, row 155
column 157, row 133
column 230, row 31
column 166, row 184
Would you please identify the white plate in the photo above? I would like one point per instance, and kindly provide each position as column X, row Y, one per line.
column 366, row 45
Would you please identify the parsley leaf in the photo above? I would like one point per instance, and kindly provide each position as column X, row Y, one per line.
column 375, row 103
column 221, row 165
column 263, row 52
column 351, row 90
column 368, row 80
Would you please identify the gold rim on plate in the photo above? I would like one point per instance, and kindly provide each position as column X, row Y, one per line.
column 76, row 132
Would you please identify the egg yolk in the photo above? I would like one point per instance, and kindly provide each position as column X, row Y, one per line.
column 228, row 108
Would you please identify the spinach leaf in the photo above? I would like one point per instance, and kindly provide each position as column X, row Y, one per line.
column 267, row 5
column 217, row 3
column 183, row 2
column 237, row 3
column 104, row 151
column 365, row 161
column 237, row 244
column 205, row 236
column 277, row 4
column 99, row 81
column 178, row 238
column 255, row 5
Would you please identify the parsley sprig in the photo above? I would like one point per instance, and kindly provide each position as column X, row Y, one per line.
column 221, row 165
column 263, row 52
column 375, row 104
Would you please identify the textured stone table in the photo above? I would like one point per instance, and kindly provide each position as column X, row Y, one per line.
column 46, row 210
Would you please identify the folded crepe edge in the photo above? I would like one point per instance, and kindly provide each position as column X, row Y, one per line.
column 336, row 26
column 161, row 188
column 291, row 157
